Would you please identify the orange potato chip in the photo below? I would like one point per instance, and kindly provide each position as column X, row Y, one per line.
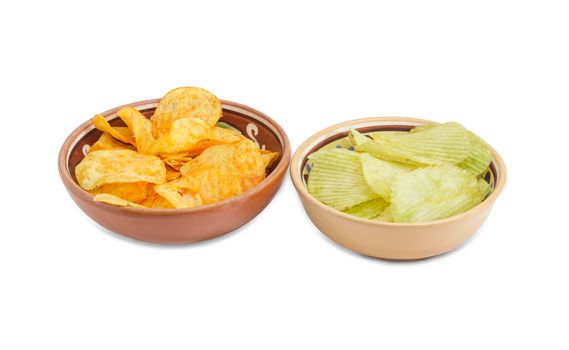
column 209, row 178
column 141, row 129
column 172, row 173
column 269, row 157
column 106, row 141
column 184, row 134
column 118, row 166
column 132, row 192
column 225, row 135
column 110, row 199
column 249, row 162
column 121, row 134
column 150, row 196
column 185, row 102
column 244, row 156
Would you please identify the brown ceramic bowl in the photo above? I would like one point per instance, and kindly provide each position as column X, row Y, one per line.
column 180, row 225
column 395, row 241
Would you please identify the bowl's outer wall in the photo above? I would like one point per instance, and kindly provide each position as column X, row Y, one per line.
column 182, row 225
column 385, row 240
column 185, row 228
column 395, row 242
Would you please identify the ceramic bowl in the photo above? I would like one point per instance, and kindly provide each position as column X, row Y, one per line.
column 180, row 225
column 395, row 241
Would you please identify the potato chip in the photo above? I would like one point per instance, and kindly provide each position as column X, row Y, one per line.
column 204, row 183
column 337, row 180
column 379, row 173
column 132, row 192
column 182, row 103
column 184, row 134
column 225, row 135
column 249, row 162
column 118, row 166
column 151, row 196
column 141, row 129
column 385, row 216
column 356, row 138
column 369, row 209
column 114, row 200
column 479, row 156
column 122, row 134
column 433, row 193
column 106, row 141
column 161, row 203
column 172, row 173
column 269, row 158
column 447, row 143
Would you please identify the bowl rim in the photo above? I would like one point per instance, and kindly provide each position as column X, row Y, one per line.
column 273, row 177
column 296, row 175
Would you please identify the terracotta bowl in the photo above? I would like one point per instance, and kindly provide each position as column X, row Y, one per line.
column 180, row 225
column 395, row 241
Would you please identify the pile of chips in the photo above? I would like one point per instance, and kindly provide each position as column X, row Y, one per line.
column 429, row 173
column 180, row 158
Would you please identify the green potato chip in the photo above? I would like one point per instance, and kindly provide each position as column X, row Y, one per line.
column 385, row 216
column 356, row 138
column 336, row 179
column 379, row 173
column 369, row 209
column 433, row 193
column 447, row 143
column 479, row 156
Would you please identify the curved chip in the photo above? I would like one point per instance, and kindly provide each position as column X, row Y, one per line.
column 369, row 209
column 379, row 173
column 118, row 166
column 121, row 134
column 132, row 192
column 225, row 135
column 185, row 102
column 141, row 129
column 204, row 183
column 184, row 134
column 269, row 157
column 434, row 193
column 337, row 180
column 447, row 143
column 249, row 162
column 106, row 141
column 114, row 200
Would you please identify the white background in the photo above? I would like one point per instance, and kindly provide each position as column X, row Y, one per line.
column 498, row 67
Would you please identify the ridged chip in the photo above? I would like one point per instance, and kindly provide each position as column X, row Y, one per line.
column 337, row 180
column 379, row 173
column 447, row 143
column 433, row 193
column 369, row 209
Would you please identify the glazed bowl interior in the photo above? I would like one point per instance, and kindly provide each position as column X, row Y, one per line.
column 254, row 126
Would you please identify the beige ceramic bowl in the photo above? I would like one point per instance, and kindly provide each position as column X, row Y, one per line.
column 180, row 225
column 389, row 240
